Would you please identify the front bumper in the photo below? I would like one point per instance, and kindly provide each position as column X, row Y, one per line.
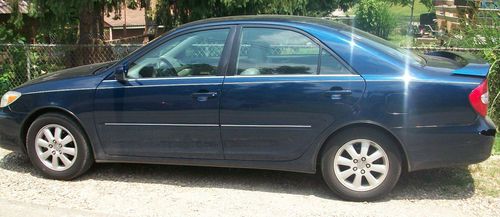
column 437, row 147
column 10, row 128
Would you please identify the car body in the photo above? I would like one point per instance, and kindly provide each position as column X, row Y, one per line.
column 228, row 109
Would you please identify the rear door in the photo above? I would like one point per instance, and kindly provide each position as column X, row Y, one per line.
column 282, row 91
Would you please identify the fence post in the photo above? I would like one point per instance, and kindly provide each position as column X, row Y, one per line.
column 28, row 62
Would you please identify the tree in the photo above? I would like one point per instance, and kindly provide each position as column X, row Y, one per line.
column 374, row 17
column 62, row 17
column 175, row 12
column 86, row 15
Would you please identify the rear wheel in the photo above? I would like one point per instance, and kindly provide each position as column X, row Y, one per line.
column 57, row 146
column 361, row 164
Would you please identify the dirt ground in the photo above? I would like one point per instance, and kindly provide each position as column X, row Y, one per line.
column 154, row 190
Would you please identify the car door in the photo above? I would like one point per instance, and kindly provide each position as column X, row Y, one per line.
column 285, row 90
column 169, row 106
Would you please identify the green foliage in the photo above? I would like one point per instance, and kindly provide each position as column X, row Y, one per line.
column 41, row 63
column 14, row 69
column 482, row 32
column 492, row 56
column 10, row 35
column 62, row 19
column 4, row 83
column 374, row 17
column 59, row 18
column 187, row 11
column 10, row 30
column 21, row 57
column 16, row 17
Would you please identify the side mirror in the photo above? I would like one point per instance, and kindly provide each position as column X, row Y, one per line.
column 121, row 73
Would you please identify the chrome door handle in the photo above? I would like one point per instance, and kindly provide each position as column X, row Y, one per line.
column 204, row 96
column 338, row 94
column 343, row 92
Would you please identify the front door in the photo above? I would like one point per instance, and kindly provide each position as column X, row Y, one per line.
column 285, row 91
column 170, row 105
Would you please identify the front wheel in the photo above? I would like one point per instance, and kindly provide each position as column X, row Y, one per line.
column 361, row 164
column 57, row 146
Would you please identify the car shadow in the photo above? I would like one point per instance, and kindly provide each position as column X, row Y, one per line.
column 446, row 183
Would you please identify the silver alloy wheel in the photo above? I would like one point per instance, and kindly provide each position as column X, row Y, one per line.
column 361, row 165
column 56, row 147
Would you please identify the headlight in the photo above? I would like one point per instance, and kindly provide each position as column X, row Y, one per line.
column 9, row 97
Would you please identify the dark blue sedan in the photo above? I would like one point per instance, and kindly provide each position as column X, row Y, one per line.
column 268, row 92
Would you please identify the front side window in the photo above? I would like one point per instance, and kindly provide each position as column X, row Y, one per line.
column 265, row 51
column 192, row 54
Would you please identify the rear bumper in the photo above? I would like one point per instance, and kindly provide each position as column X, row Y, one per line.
column 10, row 128
column 436, row 147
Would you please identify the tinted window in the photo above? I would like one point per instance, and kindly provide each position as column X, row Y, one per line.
column 193, row 54
column 266, row 51
column 330, row 65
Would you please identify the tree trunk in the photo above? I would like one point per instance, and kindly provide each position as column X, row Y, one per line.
column 98, row 23
column 91, row 31
column 85, row 24
column 81, row 54
column 151, row 27
column 410, row 25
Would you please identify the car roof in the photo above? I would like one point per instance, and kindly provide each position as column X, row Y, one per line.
column 264, row 19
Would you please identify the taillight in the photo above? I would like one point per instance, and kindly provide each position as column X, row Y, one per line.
column 479, row 98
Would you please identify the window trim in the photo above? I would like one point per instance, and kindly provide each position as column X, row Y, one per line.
column 222, row 66
column 231, row 71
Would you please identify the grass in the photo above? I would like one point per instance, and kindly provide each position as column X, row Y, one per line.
column 400, row 11
column 486, row 176
column 400, row 40
column 402, row 15
column 496, row 147
column 481, row 179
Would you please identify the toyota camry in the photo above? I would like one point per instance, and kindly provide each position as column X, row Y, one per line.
column 265, row 92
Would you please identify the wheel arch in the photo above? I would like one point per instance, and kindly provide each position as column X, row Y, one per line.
column 370, row 125
column 45, row 110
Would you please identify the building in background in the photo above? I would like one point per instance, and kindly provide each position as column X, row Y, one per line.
column 450, row 13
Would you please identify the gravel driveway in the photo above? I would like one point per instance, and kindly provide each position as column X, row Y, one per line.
column 153, row 190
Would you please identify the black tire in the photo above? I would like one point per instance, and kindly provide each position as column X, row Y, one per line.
column 83, row 159
column 384, row 141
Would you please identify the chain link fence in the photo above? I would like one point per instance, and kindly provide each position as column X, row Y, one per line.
column 21, row 63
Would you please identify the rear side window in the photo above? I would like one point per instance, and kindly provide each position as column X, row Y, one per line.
column 266, row 51
column 330, row 65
